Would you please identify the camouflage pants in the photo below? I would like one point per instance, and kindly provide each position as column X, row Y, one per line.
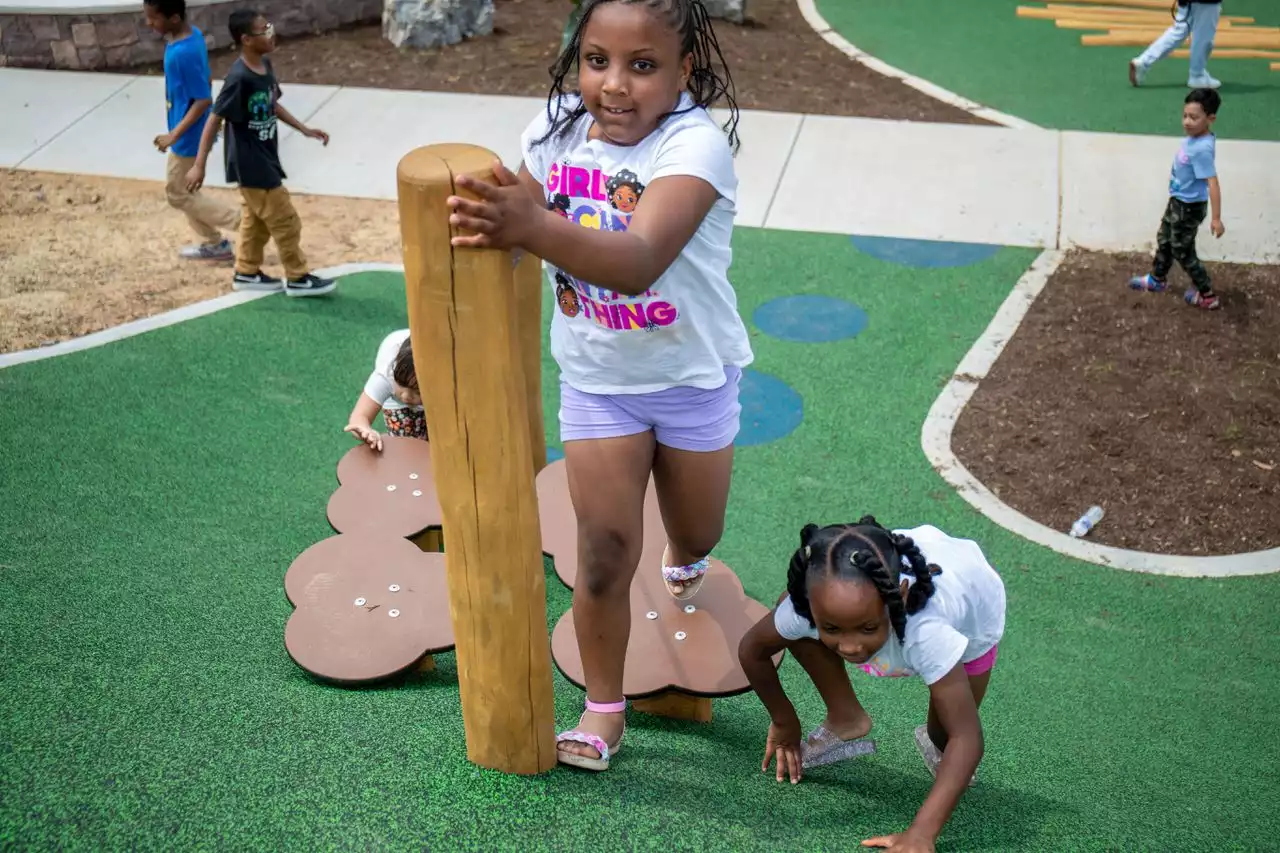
column 1177, row 242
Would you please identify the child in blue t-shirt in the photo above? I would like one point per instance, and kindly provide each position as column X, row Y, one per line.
column 188, row 88
column 1193, row 189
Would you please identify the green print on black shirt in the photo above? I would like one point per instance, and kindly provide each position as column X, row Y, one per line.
column 247, row 103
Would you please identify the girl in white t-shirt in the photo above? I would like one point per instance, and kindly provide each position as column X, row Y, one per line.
column 894, row 603
column 627, row 191
column 392, row 388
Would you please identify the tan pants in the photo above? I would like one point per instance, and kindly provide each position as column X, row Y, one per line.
column 269, row 214
column 208, row 216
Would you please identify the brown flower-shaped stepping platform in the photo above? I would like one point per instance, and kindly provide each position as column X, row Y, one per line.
column 392, row 492
column 681, row 654
column 369, row 606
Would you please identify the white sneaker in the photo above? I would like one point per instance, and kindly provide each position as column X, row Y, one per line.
column 1205, row 82
column 1137, row 71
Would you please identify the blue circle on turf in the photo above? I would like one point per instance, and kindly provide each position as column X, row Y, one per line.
column 771, row 409
column 554, row 453
column 810, row 319
column 929, row 254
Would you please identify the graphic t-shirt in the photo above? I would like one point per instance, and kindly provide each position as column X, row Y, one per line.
column 962, row 621
column 186, row 80
column 381, row 386
column 247, row 103
column 1193, row 165
column 685, row 329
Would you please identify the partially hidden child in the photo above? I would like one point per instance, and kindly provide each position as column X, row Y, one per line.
column 188, row 94
column 249, row 103
column 893, row 603
column 392, row 389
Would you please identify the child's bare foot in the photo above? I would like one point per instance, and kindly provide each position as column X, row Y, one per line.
column 848, row 727
column 839, row 738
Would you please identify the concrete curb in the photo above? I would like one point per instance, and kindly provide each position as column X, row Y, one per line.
column 935, row 439
column 809, row 9
column 169, row 318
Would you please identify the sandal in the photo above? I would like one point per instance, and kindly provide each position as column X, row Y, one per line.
column 824, row 746
column 932, row 757
column 691, row 576
column 594, row 741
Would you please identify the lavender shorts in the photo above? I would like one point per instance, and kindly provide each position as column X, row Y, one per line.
column 682, row 418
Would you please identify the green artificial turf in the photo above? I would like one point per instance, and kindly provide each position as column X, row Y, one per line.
column 1032, row 69
column 156, row 490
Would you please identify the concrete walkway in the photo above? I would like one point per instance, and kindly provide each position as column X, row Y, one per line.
column 1007, row 186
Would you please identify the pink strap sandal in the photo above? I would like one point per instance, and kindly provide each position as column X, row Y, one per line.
column 691, row 576
column 594, row 741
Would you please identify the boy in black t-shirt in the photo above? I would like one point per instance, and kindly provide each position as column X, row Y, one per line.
column 250, row 104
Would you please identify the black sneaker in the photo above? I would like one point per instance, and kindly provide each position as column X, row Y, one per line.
column 309, row 285
column 258, row 281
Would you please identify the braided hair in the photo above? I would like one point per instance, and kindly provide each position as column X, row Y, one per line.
column 862, row 551
column 706, row 86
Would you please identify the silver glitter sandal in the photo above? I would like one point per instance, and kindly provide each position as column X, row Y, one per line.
column 824, row 746
column 932, row 757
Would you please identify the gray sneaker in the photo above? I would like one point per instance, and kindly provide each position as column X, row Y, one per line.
column 220, row 251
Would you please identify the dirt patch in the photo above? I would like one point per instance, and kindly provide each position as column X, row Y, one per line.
column 1166, row 416
column 777, row 61
column 81, row 254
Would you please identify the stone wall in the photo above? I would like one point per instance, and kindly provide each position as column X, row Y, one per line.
column 123, row 39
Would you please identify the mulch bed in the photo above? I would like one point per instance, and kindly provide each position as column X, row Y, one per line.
column 777, row 61
column 1166, row 416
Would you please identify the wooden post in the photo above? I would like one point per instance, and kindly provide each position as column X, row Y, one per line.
column 462, row 318
column 528, row 303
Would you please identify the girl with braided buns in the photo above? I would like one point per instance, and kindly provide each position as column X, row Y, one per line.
column 893, row 603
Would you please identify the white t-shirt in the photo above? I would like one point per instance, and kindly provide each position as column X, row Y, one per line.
column 962, row 621
column 686, row 328
column 380, row 385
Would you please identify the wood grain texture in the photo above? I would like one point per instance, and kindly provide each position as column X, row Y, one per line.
column 465, row 342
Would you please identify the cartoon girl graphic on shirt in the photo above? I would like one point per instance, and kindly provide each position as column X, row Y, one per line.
column 624, row 190
column 567, row 297
column 559, row 205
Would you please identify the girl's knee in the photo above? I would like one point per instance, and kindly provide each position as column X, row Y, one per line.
column 607, row 558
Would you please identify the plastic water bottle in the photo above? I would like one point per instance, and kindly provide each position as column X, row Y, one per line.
column 1086, row 522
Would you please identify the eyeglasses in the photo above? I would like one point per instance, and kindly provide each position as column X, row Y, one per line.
column 268, row 32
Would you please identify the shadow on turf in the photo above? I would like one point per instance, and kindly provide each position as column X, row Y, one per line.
column 857, row 799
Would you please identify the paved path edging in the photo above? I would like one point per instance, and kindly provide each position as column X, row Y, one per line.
column 169, row 318
column 809, row 9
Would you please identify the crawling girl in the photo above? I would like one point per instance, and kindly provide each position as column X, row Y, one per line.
column 893, row 603
column 392, row 388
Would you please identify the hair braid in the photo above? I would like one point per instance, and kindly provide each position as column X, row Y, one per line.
column 797, row 574
column 922, row 590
